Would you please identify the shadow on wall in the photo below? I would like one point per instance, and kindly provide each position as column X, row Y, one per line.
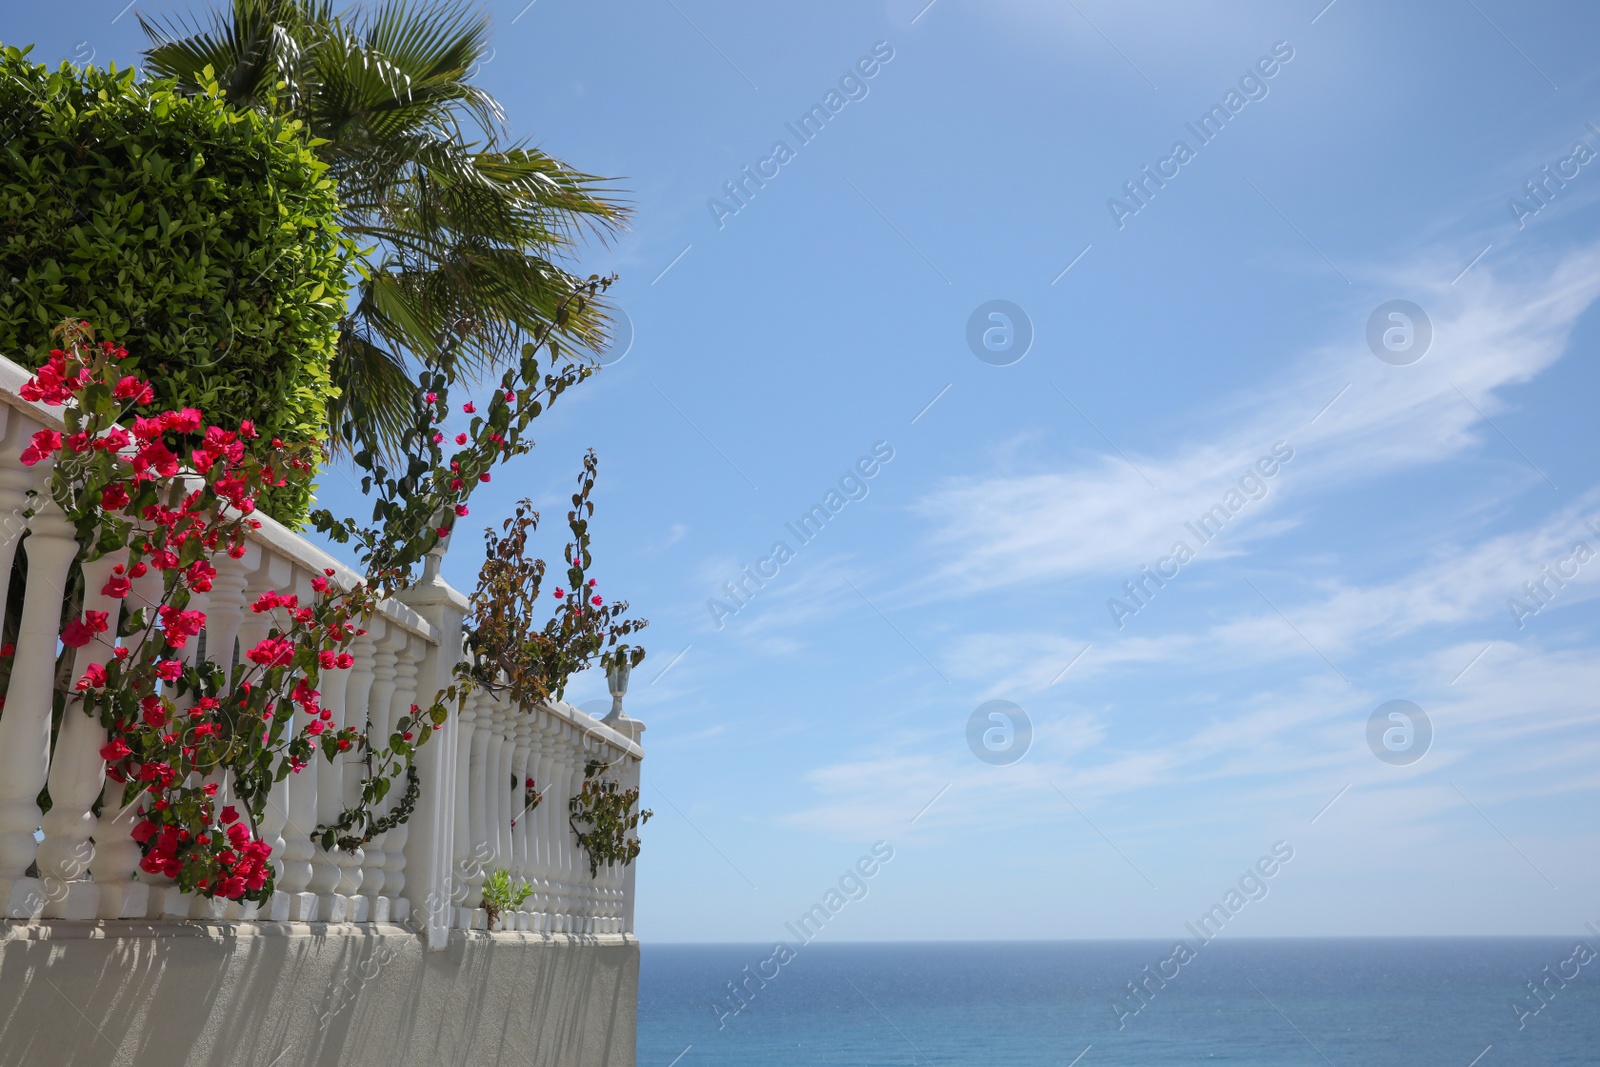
column 164, row 995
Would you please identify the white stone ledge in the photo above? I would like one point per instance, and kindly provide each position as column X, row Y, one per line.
column 108, row 929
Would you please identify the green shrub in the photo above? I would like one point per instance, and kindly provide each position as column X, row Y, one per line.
column 200, row 236
column 499, row 895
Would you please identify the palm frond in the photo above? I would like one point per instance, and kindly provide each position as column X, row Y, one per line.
column 463, row 236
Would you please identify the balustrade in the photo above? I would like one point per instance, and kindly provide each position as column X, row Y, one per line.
column 471, row 819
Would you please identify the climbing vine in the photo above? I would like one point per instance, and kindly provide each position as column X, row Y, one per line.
column 511, row 650
column 608, row 810
column 198, row 746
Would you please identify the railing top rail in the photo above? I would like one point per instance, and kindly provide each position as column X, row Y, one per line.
column 273, row 536
column 594, row 727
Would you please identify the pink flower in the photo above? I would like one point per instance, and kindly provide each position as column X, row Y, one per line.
column 158, row 457
column 272, row 652
column 186, row 420
column 169, row 670
column 75, row 634
column 469, row 407
column 115, row 750
column 461, row 509
column 147, row 429
column 432, row 398
column 200, row 574
column 113, row 440
column 45, row 443
column 129, row 388
column 181, row 625
column 93, row 678
column 461, row 438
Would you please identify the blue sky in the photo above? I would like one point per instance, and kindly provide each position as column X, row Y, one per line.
column 776, row 346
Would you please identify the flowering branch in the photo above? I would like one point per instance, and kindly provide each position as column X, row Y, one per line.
column 185, row 735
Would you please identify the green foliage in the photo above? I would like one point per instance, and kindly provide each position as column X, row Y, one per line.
column 499, row 895
column 201, row 236
column 511, row 650
column 607, row 808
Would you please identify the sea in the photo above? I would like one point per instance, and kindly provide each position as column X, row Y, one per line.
column 1478, row 1002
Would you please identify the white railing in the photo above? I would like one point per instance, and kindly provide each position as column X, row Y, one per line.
column 469, row 818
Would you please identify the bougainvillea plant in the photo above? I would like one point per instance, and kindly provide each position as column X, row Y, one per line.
column 197, row 746
column 608, row 811
column 416, row 509
column 510, row 650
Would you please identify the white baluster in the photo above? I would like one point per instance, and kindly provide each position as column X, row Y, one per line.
column 569, row 777
column 301, row 808
column 77, row 773
column 632, row 781
column 405, row 695
column 228, row 610
column 358, row 698
column 15, row 481
column 198, row 906
column 547, row 824
column 116, row 854
column 25, row 725
column 499, row 787
column 273, row 573
column 520, row 753
column 224, row 610
column 479, row 770
column 528, row 728
column 431, row 841
column 326, row 870
column 466, row 860
column 381, row 715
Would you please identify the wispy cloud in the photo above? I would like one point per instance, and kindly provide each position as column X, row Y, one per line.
column 1096, row 515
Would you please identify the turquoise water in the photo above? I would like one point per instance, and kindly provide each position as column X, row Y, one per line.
column 1264, row 1002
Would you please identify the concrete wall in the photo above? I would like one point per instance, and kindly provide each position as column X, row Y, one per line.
column 185, row 994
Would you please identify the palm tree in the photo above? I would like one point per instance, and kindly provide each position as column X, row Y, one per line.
column 460, row 235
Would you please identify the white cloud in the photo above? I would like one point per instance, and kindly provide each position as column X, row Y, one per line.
column 1100, row 516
